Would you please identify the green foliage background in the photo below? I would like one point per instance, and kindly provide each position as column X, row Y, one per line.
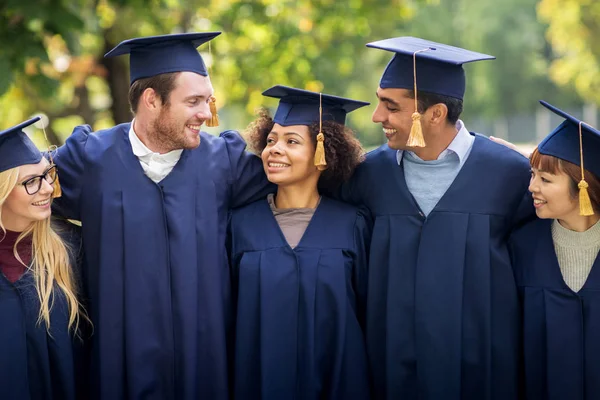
column 52, row 62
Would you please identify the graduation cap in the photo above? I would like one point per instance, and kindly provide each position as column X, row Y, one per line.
column 303, row 107
column 155, row 55
column 16, row 148
column 429, row 66
column 573, row 141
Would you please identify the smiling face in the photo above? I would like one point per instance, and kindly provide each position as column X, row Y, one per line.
column 21, row 209
column 394, row 112
column 178, row 122
column 553, row 195
column 553, row 186
column 288, row 158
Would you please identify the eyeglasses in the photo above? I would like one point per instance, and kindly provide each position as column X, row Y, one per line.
column 34, row 184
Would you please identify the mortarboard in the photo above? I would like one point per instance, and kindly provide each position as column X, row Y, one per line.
column 16, row 148
column 303, row 107
column 574, row 141
column 439, row 68
column 155, row 55
column 429, row 66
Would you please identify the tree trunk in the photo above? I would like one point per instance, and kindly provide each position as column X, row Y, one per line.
column 118, row 83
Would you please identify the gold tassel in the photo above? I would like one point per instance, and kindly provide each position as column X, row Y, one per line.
column 57, row 192
column 416, row 139
column 214, row 120
column 585, row 204
column 320, row 161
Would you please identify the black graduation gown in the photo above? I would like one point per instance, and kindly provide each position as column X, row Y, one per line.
column 561, row 328
column 155, row 268
column 34, row 365
column 443, row 316
column 299, row 311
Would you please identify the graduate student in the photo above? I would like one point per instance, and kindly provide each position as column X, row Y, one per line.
column 557, row 267
column 299, row 258
column 153, row 196
column 39, row 310
column 443, row 315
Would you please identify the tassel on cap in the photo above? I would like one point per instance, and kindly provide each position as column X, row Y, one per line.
column 585, row 204
column 416, row 139
column 57, row 191
column 214, row 119
column 320, row 161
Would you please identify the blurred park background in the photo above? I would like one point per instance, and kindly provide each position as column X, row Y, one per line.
column 52, row 62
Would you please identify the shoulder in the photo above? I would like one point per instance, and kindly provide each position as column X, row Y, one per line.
column 86, row 132
column 380, row 158
column 227, row 146
column 345, row 214
column 500, row 154
column 381, row 154
column 340, row 208
column 223, row 140
column 249, row 210
column 84, row 136
column 523, row 237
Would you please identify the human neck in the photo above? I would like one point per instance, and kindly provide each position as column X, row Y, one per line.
column 15, row 225
column 296, row 196
column 579, row 223
column 436, row 143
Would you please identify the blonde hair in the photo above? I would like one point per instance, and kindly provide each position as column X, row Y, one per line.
column 50, row 263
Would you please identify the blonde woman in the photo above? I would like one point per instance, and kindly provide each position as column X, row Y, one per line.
column 39, row 311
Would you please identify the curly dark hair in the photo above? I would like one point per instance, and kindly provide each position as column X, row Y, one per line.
column 342, row 150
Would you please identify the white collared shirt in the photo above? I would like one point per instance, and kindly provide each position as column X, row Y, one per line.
column 461, row 145
column 156, row 166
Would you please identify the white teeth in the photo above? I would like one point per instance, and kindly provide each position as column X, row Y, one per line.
column 389, row 131
column 278, row 165
column 195, row 127
column 41, row 203
column 536, row 201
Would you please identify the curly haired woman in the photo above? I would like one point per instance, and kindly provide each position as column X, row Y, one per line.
column 299, row 258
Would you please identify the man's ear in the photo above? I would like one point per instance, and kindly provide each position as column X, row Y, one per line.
column 150, row 100
column 438, row 114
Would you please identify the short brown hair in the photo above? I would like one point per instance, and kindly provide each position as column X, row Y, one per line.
column 343, row 151
column 426, row 100
column 162, row 84
column 555, row 165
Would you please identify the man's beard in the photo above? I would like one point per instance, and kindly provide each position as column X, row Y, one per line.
column 168, row 135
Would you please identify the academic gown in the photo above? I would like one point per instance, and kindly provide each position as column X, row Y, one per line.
column 299, row 311
column 155, row 269
column 561, row 327
column 443, row 314
column 35, row 364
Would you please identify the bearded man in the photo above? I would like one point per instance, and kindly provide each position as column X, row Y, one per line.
column 153, row 197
